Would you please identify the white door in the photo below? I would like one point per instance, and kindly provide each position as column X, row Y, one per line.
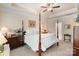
column 59, row 29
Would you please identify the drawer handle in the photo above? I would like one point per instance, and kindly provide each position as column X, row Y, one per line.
column 76, row 48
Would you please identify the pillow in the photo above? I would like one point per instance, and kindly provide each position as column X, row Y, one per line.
column 31, row 31
column 44, row 31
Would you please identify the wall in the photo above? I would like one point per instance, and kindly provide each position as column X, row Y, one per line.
column 65, row 17
column 51, row 25
column 12, row 18
column 69, row 19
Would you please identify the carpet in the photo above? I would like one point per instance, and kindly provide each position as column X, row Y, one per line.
column 65, row 48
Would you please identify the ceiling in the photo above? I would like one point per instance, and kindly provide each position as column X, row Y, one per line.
column 35, row 7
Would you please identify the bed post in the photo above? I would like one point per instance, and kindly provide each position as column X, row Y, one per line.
column 40, row 51
column 22, row 29
column 23, row 32
column 57, row 43
column 57, row 29
column 57, row 32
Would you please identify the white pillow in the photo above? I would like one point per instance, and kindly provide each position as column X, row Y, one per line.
column 31, row 31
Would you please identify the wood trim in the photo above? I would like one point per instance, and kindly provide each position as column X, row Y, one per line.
column 73, row 40
column 40, row 50
column 57, row 43
column 57, row 30
column 75, row 48
column 22, row 30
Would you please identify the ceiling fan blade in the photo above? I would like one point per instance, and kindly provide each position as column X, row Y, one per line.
column 56, row 6
column 48, row 4
column 12, row 4
column 43, row 7
column 15, row 5
column 44, row 10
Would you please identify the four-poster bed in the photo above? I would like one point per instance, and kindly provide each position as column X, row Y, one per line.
column 41, row 42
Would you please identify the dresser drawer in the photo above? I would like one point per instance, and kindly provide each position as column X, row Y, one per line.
column 15, row 42
column 76, row 51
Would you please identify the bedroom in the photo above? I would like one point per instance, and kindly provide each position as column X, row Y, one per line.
column 21, row 18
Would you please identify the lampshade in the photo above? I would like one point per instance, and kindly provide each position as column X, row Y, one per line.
column 4, row 30
column 2, row 39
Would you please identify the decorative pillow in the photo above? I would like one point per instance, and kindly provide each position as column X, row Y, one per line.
column 44, row 31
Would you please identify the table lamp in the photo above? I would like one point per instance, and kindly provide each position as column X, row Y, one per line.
column 4, row 31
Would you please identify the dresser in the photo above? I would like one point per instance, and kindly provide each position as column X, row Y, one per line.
column 15, row 41
column 76, row 41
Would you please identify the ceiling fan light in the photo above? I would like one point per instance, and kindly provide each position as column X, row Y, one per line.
column 51, row 10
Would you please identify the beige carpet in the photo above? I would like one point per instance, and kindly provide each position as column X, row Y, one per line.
column 64, row 49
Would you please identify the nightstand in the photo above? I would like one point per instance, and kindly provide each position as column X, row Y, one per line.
column 15, row 41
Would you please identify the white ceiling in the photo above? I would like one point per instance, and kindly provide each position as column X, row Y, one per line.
column 35, row 7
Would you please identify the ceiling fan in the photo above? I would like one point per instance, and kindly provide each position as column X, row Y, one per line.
column 49, row 7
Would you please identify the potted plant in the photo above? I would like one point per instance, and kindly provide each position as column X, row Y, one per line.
column 18, row 31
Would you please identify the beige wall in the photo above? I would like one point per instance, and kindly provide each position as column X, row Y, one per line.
column 51, row 25
column 67, row 19
column 14, row 20
column 10, row 20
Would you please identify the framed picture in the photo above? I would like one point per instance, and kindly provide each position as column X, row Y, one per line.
column 67, row 26
column 31, row 23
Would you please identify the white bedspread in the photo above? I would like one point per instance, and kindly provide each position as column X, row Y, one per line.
column 46, row 41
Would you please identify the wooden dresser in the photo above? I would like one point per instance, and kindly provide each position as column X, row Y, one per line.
column 76, row 41
column 15, row 41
